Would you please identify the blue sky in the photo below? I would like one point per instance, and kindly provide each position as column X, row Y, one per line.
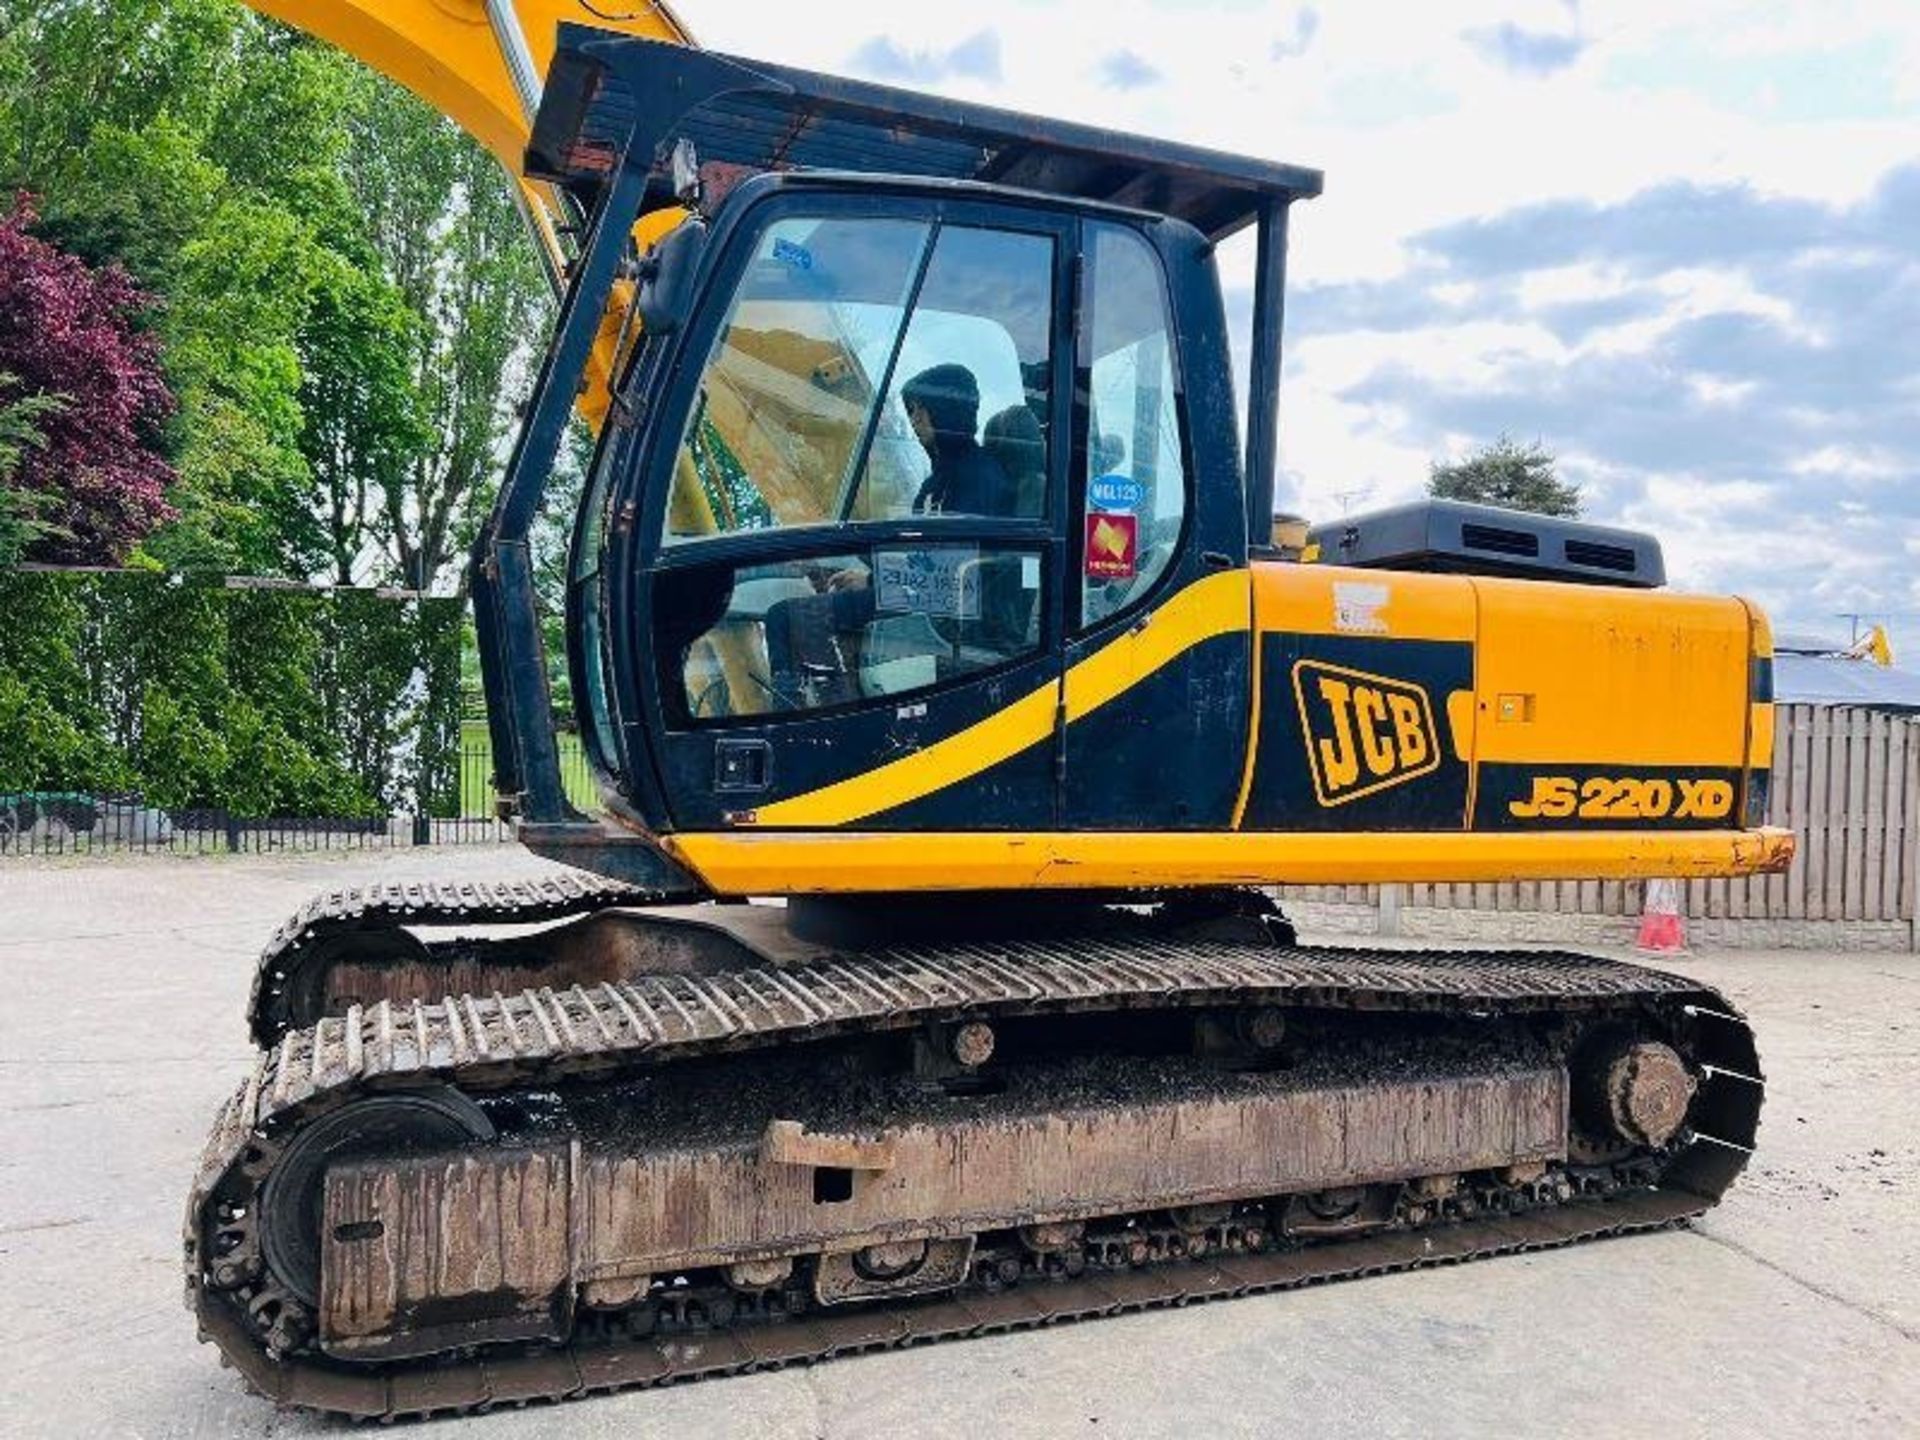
column 1678, row 243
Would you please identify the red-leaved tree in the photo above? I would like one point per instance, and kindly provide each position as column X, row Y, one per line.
column 70, row 331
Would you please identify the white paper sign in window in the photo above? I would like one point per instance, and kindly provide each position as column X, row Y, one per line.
column 943, row 582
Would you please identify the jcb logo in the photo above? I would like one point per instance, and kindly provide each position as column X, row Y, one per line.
column 1364, row 732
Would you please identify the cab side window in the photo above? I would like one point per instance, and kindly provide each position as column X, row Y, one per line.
column 859, row 625
column 787, row 390
column 873, row 369
column 1136, row 475
column 870, row 370
column 963, row 430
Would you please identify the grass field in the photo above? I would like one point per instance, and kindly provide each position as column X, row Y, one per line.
column 476, row 771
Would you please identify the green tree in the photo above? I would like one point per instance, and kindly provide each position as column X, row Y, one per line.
column 169, row 137
column 349, row 302
column 264, row 701
column 366, row 424
column 132, row 197
column 244, row 291
column 69, row 67
column 204, row 150
column 234, row 270
column 444, row 221
column 1507, row 474
column 53, row 731
column 21, row 510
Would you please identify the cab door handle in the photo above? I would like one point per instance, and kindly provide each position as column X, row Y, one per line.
column 742, row 766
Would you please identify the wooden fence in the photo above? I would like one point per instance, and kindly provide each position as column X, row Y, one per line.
column 1845, row 781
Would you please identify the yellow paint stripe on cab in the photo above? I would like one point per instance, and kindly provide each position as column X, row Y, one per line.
column 1005, row 733
column 1217, row 605
column 1214, row 606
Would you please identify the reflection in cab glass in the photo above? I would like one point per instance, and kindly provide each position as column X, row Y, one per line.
column 835, row 630
column 873, row 369
column 1136, row 471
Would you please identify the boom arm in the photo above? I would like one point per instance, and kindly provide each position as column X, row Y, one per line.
column 479, row 62
column 482, row 64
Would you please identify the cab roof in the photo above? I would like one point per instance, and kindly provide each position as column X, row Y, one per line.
column 609, row 96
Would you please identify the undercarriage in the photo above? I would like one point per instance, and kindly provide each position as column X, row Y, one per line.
column 639, row 1175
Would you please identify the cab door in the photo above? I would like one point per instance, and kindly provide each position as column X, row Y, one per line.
column 1158, row 653
column 853, row 596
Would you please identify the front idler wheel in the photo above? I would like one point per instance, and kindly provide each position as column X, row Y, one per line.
column 410, row 1122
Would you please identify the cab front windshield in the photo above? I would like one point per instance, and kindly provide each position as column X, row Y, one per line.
column 872, row 369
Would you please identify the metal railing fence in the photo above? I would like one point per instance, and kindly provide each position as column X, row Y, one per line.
column 63, row 822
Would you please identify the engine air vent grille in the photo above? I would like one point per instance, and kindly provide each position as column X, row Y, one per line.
column 1458, row 538
column 1498, row 541
column 1601, row 557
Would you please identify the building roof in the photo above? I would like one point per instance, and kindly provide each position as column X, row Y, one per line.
column 1839, row 680
column 605, row 92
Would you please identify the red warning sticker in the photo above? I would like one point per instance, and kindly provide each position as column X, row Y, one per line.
column 1113, row 546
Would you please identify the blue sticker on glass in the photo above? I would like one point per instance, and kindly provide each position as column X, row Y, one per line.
column 790, row 253
column 1116, row 492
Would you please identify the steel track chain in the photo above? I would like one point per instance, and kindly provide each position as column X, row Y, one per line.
column 540, row 1037
column 667, row 1016
column 339, row 914
column 579, row 1370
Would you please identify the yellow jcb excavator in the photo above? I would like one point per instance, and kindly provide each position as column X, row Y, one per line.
column 921, row 585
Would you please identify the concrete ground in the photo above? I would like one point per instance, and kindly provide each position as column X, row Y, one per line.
column 1793, row 1309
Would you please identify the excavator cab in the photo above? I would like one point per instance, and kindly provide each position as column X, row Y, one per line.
column 926, row 404
column 897, row 479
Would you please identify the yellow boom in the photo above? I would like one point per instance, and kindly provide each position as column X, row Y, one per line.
column 482, row 64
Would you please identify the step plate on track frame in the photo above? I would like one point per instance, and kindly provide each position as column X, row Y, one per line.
column 495, row 1245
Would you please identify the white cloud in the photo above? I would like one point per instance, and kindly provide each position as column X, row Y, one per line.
column 1562, row 284
column 1424, row 116
column 1711, row 391
column 1848, row 462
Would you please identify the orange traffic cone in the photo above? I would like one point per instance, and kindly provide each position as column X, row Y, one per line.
column 1662, row 931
